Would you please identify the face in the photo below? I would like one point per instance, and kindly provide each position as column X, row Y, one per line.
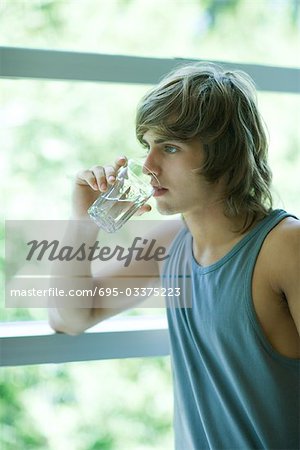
column 178, row 186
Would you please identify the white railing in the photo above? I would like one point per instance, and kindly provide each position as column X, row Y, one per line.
column 78, row 66
column 23, row 343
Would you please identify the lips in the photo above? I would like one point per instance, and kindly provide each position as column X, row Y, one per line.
column 159, row 191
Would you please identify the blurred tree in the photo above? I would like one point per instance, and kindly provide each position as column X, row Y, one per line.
column 215, row 8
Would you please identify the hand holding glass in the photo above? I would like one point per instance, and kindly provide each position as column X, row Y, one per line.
column 131, row 190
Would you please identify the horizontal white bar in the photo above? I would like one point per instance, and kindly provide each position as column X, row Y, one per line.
column 23, row 343
column 77, row 66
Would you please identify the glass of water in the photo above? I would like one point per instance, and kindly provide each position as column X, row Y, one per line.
column 130, row 191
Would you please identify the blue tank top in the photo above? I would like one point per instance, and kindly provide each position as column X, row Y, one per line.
column 232, row 389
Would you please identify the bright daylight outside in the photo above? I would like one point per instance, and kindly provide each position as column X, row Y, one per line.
column 51, row 129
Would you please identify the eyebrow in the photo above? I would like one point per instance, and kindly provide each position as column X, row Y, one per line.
column 160, row 141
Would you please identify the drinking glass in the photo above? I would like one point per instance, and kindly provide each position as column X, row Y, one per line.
column 130, row 191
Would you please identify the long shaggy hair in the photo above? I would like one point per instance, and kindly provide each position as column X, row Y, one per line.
column 220, row 108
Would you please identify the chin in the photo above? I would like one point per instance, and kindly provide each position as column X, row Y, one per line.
column 167, row 210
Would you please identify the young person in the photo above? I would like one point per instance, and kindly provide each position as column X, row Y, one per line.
column 235, row 336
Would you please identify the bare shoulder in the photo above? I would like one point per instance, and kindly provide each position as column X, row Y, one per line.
column 283, row 241
column 282, row 256
column 281, row 248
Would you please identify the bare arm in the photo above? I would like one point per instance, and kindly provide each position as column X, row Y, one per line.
column 88, row 185
column 286, row 266
column 289, row 277
column 90, row 310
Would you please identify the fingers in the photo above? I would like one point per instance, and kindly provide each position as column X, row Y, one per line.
column 98, row 177
column 143, row 209
column 120, row 161
column 103, row 176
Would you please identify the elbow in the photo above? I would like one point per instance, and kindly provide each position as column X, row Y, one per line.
column 70, row 331
column 60, row 326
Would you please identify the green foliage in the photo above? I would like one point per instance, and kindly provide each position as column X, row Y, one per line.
column 13, row 414
column 101, row 405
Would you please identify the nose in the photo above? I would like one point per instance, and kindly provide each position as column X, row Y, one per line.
column 151, row 164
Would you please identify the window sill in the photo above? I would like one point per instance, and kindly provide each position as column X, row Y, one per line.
column 23, row 343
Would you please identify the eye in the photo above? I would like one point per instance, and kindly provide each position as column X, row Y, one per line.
column 171, row 149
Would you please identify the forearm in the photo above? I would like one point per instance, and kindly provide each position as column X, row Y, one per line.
column 73, row 314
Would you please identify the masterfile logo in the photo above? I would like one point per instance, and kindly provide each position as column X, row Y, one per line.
column 144, row 250
column 51, row 262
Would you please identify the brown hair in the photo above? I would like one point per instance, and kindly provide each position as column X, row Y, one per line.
column 203, row 100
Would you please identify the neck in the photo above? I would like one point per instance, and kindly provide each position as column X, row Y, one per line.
column 213, row 233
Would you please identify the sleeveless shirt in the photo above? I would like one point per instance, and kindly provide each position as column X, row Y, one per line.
column 232, row 389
